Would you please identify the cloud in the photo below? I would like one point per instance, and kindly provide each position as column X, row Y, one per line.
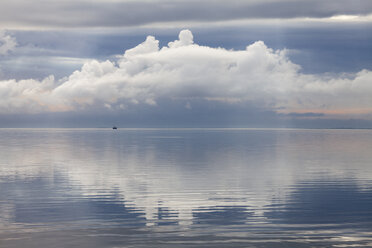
column 98, row 13
column 187, row 72
column 310, row 114
column 7, row 43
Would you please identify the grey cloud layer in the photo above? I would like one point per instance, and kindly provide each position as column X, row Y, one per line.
column 147, row 74
column 23, row 13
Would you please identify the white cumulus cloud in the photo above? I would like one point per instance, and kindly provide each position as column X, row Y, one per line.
column 187, row 71
column 7, row 43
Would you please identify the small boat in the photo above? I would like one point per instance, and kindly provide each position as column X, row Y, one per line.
column 114, row 127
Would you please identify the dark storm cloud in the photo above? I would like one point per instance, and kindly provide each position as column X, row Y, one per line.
column 309, row 114
column 22, row 13
column 166, row 114
column 174, row 114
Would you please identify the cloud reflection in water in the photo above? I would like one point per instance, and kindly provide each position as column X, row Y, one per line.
column 179, row 187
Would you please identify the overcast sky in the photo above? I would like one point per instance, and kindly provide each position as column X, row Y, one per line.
column 77, row 63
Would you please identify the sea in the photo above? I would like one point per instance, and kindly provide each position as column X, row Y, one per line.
column 197, row 187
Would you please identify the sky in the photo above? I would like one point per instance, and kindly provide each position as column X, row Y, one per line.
column 163, row 63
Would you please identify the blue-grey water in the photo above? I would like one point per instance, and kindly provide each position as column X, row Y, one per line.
column 185, row 188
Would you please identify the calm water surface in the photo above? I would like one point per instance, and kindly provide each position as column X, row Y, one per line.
column 185, row 188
